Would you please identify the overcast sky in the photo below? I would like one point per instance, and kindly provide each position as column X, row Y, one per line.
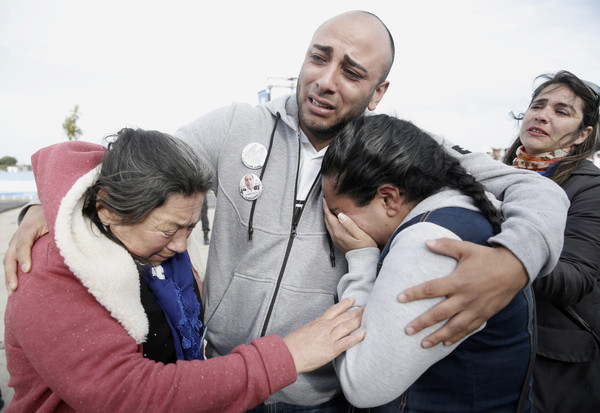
column 461, row 66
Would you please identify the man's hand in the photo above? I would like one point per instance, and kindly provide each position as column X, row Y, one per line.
column 484, row 282
column 32, row 227
column 344, row 232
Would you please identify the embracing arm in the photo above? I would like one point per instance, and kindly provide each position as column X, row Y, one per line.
column 534, row 209
column 388, row 361
column 486, row 279
column 205, row 135
column 93, row 364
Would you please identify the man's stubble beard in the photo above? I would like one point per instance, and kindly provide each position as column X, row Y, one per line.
column 323, row 131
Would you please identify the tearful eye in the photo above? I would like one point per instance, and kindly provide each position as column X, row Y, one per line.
column 353, row 74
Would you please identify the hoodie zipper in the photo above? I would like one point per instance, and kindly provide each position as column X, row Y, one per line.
column 295, row 221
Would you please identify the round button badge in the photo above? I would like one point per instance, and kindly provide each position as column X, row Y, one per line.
column 254, row 155
column 250, row 187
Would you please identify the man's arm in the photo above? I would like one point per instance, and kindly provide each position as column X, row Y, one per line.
column 486, row 278
column 533, row 206
column 484, row 282
column 205, row 135
column 208, row 133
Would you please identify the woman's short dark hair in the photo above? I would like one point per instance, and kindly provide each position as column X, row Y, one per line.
column 582, row 151
column 140, row 170
column 381, row 149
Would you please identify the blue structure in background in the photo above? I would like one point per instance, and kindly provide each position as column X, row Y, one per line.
column 277, row 83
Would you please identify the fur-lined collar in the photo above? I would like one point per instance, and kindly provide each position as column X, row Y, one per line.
column 105, row 268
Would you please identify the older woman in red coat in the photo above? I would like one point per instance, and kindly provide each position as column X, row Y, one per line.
column 109, row 318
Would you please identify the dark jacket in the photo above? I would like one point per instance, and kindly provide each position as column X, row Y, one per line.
column 575, row 282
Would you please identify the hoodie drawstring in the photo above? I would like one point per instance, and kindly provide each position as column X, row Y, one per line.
column 298, row 210
column 262, row 173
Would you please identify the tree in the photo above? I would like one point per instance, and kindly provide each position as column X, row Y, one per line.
column 70, row 125
column 8, row 161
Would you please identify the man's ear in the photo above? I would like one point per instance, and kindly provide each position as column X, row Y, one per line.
column 378, row 95
column 393, row 199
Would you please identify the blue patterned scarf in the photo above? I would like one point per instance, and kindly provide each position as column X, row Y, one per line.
column 175, row 295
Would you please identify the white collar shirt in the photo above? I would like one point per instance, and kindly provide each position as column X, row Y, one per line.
column 310, row 165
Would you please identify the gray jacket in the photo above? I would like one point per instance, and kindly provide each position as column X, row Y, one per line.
column 284, row 276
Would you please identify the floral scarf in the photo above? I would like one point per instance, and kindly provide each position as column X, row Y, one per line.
column 540, row 162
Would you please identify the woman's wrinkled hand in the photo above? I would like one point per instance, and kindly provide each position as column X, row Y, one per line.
column 318, row 342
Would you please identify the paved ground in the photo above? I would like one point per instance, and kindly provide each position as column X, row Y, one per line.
column 8, row 225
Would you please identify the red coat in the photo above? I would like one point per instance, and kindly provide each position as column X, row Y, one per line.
column 75, row 326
